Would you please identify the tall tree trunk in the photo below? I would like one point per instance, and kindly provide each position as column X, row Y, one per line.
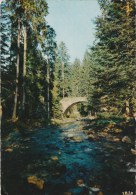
column 14, row 114
column 24, row 65
column 63, row 90
column 48, row 90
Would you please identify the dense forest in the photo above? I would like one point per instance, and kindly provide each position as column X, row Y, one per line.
column 37, row 73
column 90, row 149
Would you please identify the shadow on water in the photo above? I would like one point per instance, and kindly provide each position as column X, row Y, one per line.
column 66, row 163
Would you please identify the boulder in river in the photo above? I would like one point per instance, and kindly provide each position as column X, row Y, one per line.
column 133, row 151
column 39, row 183
column 126, row 139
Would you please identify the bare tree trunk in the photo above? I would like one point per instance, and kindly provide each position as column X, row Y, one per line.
column 24, row 68
column 63, row 90
column 48, row 90
column 24, row 64
column 14, row 114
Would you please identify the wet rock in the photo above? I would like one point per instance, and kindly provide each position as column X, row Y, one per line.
column 126, row 139
column 54, row 158
column 91, row 137
column 132, row 170
column 103, row 134
column 9, row 150
column 111, row 125
column 70, row 135
column 94, row 189
column 117, row 130
column 90, row 132
column 39, row 183
column 133, row 151
column 77, row 139
column 80, row 183
column 116, row 139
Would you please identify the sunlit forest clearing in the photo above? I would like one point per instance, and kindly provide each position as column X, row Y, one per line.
column 67, row 128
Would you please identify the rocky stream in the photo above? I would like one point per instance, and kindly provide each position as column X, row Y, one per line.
column 75, row 158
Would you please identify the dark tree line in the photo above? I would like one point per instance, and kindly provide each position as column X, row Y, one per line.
column 27, row 62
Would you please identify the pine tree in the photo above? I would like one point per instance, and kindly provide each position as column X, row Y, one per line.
column 114, row 57
column 75, row 78
column 63, row 58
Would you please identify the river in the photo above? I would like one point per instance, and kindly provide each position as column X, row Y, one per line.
column 65, row 162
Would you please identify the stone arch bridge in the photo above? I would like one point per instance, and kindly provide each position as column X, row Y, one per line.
column 68, row 102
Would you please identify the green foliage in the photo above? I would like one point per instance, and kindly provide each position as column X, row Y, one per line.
column 75, row 78
column 40, row 57
column 113, row 68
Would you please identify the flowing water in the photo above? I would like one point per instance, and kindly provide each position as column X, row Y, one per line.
column 62, row 156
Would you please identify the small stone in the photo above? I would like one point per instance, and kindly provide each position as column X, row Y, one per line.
column 117, row 130
column 80, row 182
column 59, row 152
column 77, row 139
column 116, row 139
column 40, row 184
column 70, row 135
column 54, row 158
column 94, row 189
column 9, row 150
column 103, row 134
column 126, row 139
column 133, row 151
column 111, row 125
column 36, row 181
column 91, row 137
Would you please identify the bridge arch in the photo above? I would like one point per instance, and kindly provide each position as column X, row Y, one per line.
column 68, row 102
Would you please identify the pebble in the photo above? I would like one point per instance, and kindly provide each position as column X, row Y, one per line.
column 80, row 183
column 126, row 139
column 93, row 189
column 54, row 158
column 133, row 151
column 9, row 150
column 36, row 181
